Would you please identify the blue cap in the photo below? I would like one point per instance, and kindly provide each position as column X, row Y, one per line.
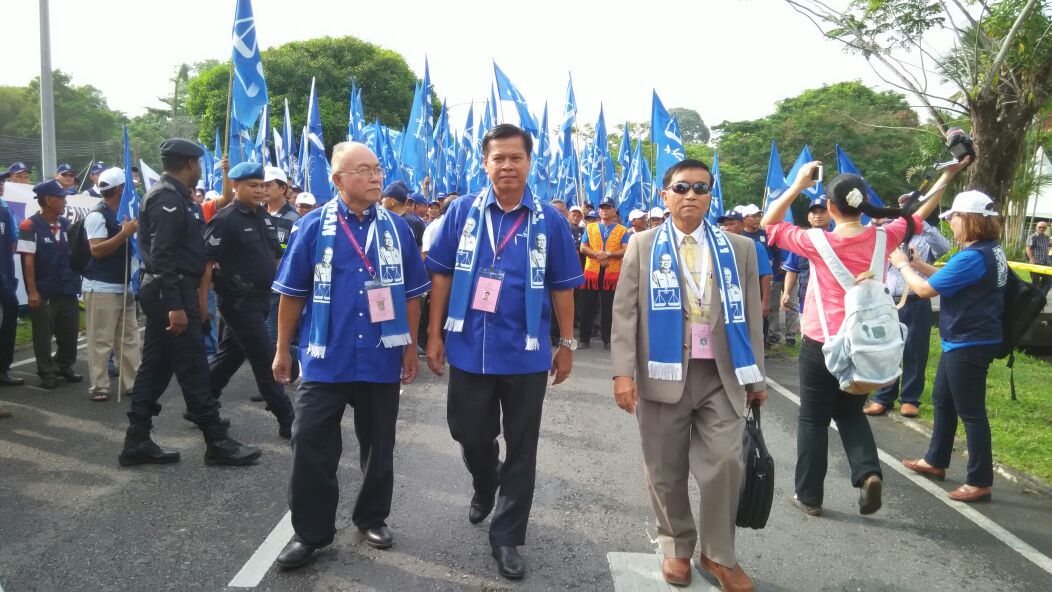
column 63, row 168
column 730, row 215
column 17, row 167
column 397, row 191
column 97, row 168
column 591, row 214
column 49, row 187
column 441, row 195
column 818, row 202
column 246, row 170
column 435, row 202
column 418, row 198
column 607, row 201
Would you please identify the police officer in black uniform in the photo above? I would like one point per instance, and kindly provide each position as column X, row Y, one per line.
column 173, row 263
column 242, row 249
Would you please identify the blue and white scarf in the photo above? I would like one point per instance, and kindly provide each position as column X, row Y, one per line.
column 387, row 261
column 467, row 262
column 665, row 311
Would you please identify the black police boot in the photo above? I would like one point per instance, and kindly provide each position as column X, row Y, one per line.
column 285, row 418
column 223, row 450
column 140, row 449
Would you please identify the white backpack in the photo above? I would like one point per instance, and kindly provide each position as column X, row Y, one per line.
column 866, row 353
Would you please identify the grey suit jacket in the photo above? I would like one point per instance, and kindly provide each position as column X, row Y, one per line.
column 630, row 344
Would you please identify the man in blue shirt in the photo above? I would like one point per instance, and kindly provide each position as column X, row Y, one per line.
column 345, row 355
column 496, row 362
column 8, row 300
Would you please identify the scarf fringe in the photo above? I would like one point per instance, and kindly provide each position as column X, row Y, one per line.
column 399, row 340
column 665, row 370
column 454, row 325
column 316, row 351
column 748, row 374
column 533, row 344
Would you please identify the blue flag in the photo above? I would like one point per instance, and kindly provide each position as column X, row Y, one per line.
column 570, row 107
column 356, row 118
column 844, row 165
column 775, row 184
column 260, row 151
column 632, row 184
column 317, row 174
column 624, row 154
column 665, row 135
column 507, row 92
column 568, row 171
column 288, row 141
column 215, row 180
column 464, row 151
column 414, row 144
column 129, row 209
column 716, row 202
column 249, row 88
column 649, row 198
column 540, row 168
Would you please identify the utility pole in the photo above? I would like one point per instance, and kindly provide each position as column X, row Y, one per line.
column 47, row 96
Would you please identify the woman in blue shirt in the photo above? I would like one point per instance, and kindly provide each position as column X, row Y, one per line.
column 971, row 286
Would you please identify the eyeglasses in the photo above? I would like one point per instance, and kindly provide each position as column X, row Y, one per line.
column 682, row 188
column 364, row 171
column 66, row 174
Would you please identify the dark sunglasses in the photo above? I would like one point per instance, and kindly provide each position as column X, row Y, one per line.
column 67, row 174
column 682, row 188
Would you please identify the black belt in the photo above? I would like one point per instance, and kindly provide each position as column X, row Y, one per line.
column 183, row 280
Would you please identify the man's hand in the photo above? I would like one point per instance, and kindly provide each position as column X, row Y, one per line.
column 784, row 302
column 764, row 306
column 35, row 301
column 282, row 365
column 803, row 177
column 129, row 227
column 625, row 393
column 898, row 258
column 436, row 354
column 750, row 398
column 225, row 164
column 410, row 364
column 562, row 364
column 177, row 322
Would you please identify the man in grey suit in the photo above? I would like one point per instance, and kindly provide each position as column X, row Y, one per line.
column 693, row 424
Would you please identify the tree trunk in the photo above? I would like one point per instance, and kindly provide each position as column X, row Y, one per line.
column 999, row 131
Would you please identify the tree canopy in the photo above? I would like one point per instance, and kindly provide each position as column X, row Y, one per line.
column 384, row 76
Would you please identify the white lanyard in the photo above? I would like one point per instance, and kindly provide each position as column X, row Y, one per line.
column 489, row 228
column 699, row 291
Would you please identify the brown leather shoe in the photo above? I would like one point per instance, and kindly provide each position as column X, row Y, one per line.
column 4, row 412
column 916, row 467
column 971, row 493
column 731, row 580
column 676, row 570
column 909, row 410
column 874, row 409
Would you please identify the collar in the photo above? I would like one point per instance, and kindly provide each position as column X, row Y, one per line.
column 341, row 207
column 698, row 234
column 246, row 209
column 179, row 187
column 525, row 202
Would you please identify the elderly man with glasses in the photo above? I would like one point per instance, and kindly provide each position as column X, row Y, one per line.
column 1037, row 246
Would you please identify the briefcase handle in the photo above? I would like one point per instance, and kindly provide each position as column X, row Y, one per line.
column 754, row 412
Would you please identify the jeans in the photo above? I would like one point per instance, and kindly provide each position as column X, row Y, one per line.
column 211, row 336
column 821, row 400
column 916, row 315
column 960, row 391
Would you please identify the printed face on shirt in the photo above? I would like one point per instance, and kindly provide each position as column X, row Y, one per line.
column 688, row 209
column 507, row 165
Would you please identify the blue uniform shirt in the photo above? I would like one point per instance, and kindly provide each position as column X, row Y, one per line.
column 495, row 343
column 8, row 240
column 354, row 352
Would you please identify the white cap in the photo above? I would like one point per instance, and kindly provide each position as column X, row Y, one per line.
column 971, row 202
column 306, row 198
column 211, row 194
column 271, row 173
column 664, row 212
column 111, row 178
column 201, row 184
column 635, row 215
column 749, row 210
column 656, row 212
column 576, row 209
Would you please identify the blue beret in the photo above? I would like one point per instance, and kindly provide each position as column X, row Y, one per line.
column 17, row 167
column 63, row 168
column 50, row 187
column 397, row 190
column 180, row 148
column 246, row 170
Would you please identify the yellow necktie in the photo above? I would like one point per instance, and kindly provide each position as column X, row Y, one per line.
column 691, row 255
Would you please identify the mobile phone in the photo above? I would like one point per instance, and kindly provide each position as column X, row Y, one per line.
column 816, row 175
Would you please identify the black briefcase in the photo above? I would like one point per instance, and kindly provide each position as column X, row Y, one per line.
column 757, row 490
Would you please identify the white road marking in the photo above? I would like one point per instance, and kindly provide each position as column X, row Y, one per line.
column 257, row 566
column 980, row 520
column 641, row 572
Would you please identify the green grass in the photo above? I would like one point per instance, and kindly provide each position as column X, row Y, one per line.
column 24, row 331
column 1021, row 429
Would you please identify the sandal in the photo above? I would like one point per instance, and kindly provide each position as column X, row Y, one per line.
column 100, row 397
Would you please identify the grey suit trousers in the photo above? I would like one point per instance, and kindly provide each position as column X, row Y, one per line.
column 701, row 433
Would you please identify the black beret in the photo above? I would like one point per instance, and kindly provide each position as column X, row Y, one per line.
column 180, row 148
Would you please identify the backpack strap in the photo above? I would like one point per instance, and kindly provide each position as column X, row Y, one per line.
column 879, row 264
column 835, row 265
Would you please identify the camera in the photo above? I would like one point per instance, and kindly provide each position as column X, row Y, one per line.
column 960, row 144
column 816, row 175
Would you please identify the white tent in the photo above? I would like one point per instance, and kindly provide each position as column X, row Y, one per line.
column 1040, row 204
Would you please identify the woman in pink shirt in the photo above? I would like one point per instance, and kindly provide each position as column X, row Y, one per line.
column 821, row 399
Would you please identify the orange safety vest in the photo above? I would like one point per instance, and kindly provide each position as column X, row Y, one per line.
column 613, row 266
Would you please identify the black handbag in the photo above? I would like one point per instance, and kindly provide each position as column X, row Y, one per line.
column 757, row 490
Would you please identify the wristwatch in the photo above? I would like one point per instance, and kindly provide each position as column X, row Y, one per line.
column 570, row 344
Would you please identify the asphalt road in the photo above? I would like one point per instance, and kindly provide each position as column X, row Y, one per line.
column 71, row 519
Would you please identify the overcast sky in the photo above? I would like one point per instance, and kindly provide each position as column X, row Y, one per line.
column 727, row 59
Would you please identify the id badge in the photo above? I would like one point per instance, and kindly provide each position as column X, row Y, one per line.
column 381, row 308
column 487, row 292
column 701, row 341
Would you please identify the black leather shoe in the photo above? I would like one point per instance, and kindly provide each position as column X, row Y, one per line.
column 48, row 382
column 295, row 554
column 378, row 538
column 509, row 563
column 480, row 507
column 7, row 380
column 71, row 376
